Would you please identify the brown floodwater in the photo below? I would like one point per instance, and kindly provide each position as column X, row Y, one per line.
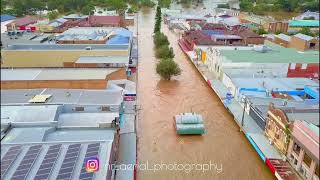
column 160, row 100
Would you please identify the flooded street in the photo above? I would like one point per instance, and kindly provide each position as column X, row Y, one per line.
column 159, row 100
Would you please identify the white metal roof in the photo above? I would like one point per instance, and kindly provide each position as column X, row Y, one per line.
column 303, row 36
column 55, row 74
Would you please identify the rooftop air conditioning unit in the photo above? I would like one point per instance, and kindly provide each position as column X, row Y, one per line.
column 88, row 48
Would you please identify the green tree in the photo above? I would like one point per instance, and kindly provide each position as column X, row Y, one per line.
column 160, row 39
column 164, row 52
column 226, row 6
column 246, row 5
column 306, row 31
column 164, row 3
column 53, row 15
column 167, row 68
column 261, row 31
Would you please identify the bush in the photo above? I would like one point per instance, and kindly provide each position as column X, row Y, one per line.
column 309, row 18
column 160, row 39
column 306, row 31
column 164, row 52
column 225, row 6
column 130, row 11
column 53, row 15
column 261, row 31
column 147, row 3
column 167, row 68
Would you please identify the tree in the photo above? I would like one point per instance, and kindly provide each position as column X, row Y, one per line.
column 160, row 39
column 246, row 5
column 164, row 52
column 225, row 6
column 53, row 15
column 164, row 3
column 261, row 31
column 306, row 31
column 167, row 68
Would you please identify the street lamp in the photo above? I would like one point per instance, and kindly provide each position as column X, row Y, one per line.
column 245, row 101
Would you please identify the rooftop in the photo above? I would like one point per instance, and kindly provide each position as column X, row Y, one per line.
column 65, row 47
column 24, row 21
column 278, row 54
column 304, row 37
column 277, row 84
column 84, row 33
column 103, row 59
column 63, row 96
column 55, row 160
column 6, row 17
column 283, row 37
column 55, row 74
column 304, row 23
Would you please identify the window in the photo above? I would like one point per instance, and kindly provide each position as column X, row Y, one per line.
column 79, row 108
column 296, row 148
column 307, row 160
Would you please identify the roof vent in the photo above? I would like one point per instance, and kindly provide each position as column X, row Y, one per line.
column 88, row 48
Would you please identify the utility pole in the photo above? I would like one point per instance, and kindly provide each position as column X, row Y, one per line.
column 244, row 109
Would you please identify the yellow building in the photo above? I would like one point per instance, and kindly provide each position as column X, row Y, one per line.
column 56, row 55
column 277, row 128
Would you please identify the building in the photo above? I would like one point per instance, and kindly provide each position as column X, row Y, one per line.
column 56, row 55
column 72, row 78
column 278, row 128
column 259, row 106
column 308, row 15
column 278, row 26
column 101, row 21
column 25, row 23
column 270, row 56
column 84, row 35
column 52, row 138
column 303, row 150
column 282, row 39
column 6, row 19
column 304, row 42
column 298, row 24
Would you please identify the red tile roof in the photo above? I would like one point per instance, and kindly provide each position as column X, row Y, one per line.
column 24, row 21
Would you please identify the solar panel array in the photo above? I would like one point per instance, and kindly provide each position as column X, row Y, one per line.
column 48, row 162
column 8, row 158
column 26, row 163
column 92, row 151
column 69, row 162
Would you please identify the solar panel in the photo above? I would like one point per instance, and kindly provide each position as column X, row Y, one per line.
column 48, row 162
column 92, row 151
column 8, row 158
column 69, row 162
column 26, row 163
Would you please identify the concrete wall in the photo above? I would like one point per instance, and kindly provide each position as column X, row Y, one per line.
column 47, row 58
column 66, row 84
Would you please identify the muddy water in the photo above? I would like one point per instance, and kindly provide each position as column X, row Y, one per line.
column 158, row 143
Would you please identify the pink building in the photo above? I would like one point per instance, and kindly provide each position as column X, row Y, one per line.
column 303, row 150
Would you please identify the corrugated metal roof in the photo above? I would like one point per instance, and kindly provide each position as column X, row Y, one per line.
column 304, row 37
column 6, row 17
column 305, row 23
column 283, row 37
column 63, row 96
column 56, row 74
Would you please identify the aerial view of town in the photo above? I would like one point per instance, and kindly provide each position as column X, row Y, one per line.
column 160, row 90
